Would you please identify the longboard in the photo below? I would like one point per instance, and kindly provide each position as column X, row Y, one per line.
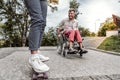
column 36, row 75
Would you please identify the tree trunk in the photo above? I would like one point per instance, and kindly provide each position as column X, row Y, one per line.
column 23, row 41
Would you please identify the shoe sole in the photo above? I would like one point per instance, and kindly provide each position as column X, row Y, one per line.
column 45, row 60
column 43, row 75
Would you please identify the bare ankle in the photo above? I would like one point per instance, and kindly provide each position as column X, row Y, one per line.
column 33, row 51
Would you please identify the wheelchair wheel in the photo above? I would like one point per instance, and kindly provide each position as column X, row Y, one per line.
column 81, row 54
column 65, row 49
column 65, row 52
column 59, row 51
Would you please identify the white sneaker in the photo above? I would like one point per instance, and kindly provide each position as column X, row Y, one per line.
column 42, row 57
column 37, row 65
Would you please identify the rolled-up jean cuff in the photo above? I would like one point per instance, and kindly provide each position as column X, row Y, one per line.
column 33, row 49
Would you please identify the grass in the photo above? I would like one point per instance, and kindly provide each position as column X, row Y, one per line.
column 111, row 44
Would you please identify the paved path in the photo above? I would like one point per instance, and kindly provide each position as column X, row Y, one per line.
column 92, row 66
column 93, row 42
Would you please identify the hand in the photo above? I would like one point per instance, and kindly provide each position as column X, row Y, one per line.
column 59, row 35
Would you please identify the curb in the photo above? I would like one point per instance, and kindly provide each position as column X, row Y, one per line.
column 91, row 77
column 104, row 51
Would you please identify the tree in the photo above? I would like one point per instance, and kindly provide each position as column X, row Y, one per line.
column 92, row 34
column 49, row 38
column 107, row 25
column 15, row 15
column 22, row 20
column 84, row 31
column 74, row 4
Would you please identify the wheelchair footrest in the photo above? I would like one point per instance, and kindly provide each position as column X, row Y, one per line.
column 73, row 52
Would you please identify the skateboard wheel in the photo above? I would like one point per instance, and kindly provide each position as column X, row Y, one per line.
column 45, row 76
column 34, row 77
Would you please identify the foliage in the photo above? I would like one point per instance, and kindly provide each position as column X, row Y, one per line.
column 107, row 25
column 74, row 4
column 49, row 38
column 15, row 17
column 92, row 34
column 84, row 31
column 111, row 44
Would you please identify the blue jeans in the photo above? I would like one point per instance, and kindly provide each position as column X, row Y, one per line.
column 38, row 12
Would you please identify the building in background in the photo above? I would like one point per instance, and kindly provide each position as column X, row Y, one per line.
column 116, row 20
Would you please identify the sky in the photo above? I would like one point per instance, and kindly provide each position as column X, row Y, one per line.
column 93, row 12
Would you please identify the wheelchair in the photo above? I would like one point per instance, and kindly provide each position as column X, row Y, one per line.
column 63, row 46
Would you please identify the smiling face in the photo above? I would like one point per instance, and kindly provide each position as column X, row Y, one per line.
column 71, row 14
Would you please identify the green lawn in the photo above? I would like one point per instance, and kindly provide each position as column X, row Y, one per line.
column 111, row 44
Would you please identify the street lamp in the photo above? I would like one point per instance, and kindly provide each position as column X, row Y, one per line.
column 95, row 25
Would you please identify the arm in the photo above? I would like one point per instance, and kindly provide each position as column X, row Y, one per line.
column 60, row 27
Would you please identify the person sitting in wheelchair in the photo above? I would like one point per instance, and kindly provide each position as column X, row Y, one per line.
column 70, row 28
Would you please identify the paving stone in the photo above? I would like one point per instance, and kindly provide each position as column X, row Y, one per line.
column 98, row 77
column 114, row 76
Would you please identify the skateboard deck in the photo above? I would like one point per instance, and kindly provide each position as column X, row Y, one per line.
column 36, row 75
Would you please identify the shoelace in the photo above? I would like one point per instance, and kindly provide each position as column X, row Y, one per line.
column 38, row 60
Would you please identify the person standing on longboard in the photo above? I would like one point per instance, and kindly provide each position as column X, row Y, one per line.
column 38, row 12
